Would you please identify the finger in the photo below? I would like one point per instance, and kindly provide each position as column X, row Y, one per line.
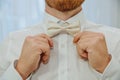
column 83, row 45
column 50, row 41
column 40, row 39
column 46, row 37
column 77, row 37
column 91, row 35
column 44, row 46
column 45, row 59
column 45, row 52
column 80, row 51
column 86, row 41
column 85, row 34
column 39, row 62
column 83, row 54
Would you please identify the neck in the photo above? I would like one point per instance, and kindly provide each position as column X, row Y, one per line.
column 62, row 15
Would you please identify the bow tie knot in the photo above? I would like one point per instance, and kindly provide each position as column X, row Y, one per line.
column 55, row 28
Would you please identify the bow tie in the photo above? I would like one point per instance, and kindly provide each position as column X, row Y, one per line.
column 70, row 28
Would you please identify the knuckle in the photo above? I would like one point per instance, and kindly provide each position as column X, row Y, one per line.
column 101, row 37
column 98, row 40
column 45, row 40
column 28, row 38
column 34, row 46
column 39, row 46
column 43, row 47
column 43, row 34
column 95, row 42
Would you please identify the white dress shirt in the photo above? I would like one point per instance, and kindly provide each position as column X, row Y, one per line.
column 64, row 63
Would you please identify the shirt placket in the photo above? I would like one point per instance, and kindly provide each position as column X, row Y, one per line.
column 63, row 58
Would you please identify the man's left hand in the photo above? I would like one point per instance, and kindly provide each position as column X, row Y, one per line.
column 92, row 46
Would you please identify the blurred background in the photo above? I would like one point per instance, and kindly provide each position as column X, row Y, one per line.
column 18, row 14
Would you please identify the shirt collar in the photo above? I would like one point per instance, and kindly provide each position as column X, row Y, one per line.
column 78, row 17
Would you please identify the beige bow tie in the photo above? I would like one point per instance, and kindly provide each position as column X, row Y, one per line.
column 54, row 28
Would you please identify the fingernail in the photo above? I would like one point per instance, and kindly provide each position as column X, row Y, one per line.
column 52, row 43
column 45, row 58
column 45, row 62
column 51, row 47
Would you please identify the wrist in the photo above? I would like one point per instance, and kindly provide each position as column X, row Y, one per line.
column 105, row 63
column 22, row 72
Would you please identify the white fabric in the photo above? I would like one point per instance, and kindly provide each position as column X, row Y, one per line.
column 64, row 64
column 11, row 73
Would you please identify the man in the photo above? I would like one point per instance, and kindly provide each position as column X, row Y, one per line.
column 65, row 46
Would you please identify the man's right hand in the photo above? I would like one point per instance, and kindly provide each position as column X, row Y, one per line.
column 36, row 49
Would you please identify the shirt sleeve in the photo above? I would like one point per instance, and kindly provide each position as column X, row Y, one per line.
column 112, row 71
column 7, row 68
column 11, row 73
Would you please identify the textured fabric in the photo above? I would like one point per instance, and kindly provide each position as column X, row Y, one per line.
column 55, row 28
column 64, row 63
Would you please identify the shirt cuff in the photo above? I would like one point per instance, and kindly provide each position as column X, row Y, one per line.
column 112, row 71
column 11, row 73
